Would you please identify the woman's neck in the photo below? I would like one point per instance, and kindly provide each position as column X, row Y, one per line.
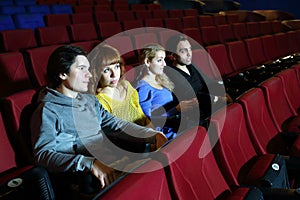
column 116, row 93
column 151, row 79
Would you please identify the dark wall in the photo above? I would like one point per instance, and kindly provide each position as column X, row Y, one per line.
column 291, row 6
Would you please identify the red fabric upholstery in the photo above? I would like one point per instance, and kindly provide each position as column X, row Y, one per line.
column 13, row 72
column 219, row 55
column 82, row 32
column 233, row 136
column 238, row 55
column 194, row 174
column 38, row 60
column 11, row 40
column 210, row 35
column 57, row 19
column 141, row 185
column 276, row 98
column 291, row 86
column 255, row 51
column 261, row 123
column 52, row 35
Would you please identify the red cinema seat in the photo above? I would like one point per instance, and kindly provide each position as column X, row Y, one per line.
column 161, row 14
column 190, row 12
column 238, row 55
column 19, row 178
column 276, row 98
column 14, row 77
column 140, row 40
column 81, row 18
column 266, row 27
column 108, row 29
column 226, row 33
column 82, row 32
column 137, row 26
column 17, row 119
column 57, row 19
column 104, row 16
column 202, row 61
column 143, row 14
column 52, row 35
column 173, row 23
column 11, row 40
column 195, row 34
column 153, row 22
column 263, row 127
column 124, row 15
column 253, row 29
column 210, row 35
column 232, row 18
column 240, row 30
column 206, row 20
column 175, row 13
column 191, row 164
column 219, row 55
column 282, row 41
column 190, row 22
column 219, row 19
column 37, row 62
column 235, row 153
column 255, row 51
column 291, row 86
column 270, row 47
column 125, row 47
column 6, row 150
column 146, row 182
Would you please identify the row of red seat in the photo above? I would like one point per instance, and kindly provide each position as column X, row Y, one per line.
column 74, row 28
column 208, row 166
column 229, row 58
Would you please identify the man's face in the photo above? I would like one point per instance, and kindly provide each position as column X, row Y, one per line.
column 78, row 78
column 184, row 52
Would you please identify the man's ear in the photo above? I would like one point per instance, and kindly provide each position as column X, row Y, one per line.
column 63, row 76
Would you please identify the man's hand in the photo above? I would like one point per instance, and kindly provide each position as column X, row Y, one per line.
column 187, row 105
column 160, row 139
column 105, row 174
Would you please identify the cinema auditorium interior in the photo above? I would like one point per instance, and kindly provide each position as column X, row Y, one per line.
column 252, row 48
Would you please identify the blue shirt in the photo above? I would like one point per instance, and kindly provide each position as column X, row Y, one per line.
column 154, row 103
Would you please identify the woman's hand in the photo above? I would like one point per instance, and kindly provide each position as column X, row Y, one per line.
column 187, row 105
column 105, row 174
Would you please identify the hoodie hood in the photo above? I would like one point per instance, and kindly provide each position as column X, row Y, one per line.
column 48, row 95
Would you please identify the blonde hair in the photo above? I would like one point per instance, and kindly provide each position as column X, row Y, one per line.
column 104, row 55
column 149, row 52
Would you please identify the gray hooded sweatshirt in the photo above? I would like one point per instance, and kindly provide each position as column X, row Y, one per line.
column 67, row 133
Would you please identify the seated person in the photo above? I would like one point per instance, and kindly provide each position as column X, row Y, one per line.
column 155, row 91
column 69, row 128
column 180, row 52
column 114, row 92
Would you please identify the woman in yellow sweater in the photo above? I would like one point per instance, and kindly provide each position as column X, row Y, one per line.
column 113, row 91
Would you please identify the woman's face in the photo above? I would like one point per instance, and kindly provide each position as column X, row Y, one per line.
column 110, row 75
column 156, row 66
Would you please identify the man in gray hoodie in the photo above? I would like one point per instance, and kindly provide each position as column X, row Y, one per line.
column 70, row 130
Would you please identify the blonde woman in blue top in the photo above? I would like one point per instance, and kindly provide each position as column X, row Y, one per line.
column 155, row 91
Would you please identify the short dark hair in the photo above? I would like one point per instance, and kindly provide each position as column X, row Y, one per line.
column 60, row 62
column 172, row 42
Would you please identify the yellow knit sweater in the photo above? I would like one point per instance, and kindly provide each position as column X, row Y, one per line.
column 129, row 109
